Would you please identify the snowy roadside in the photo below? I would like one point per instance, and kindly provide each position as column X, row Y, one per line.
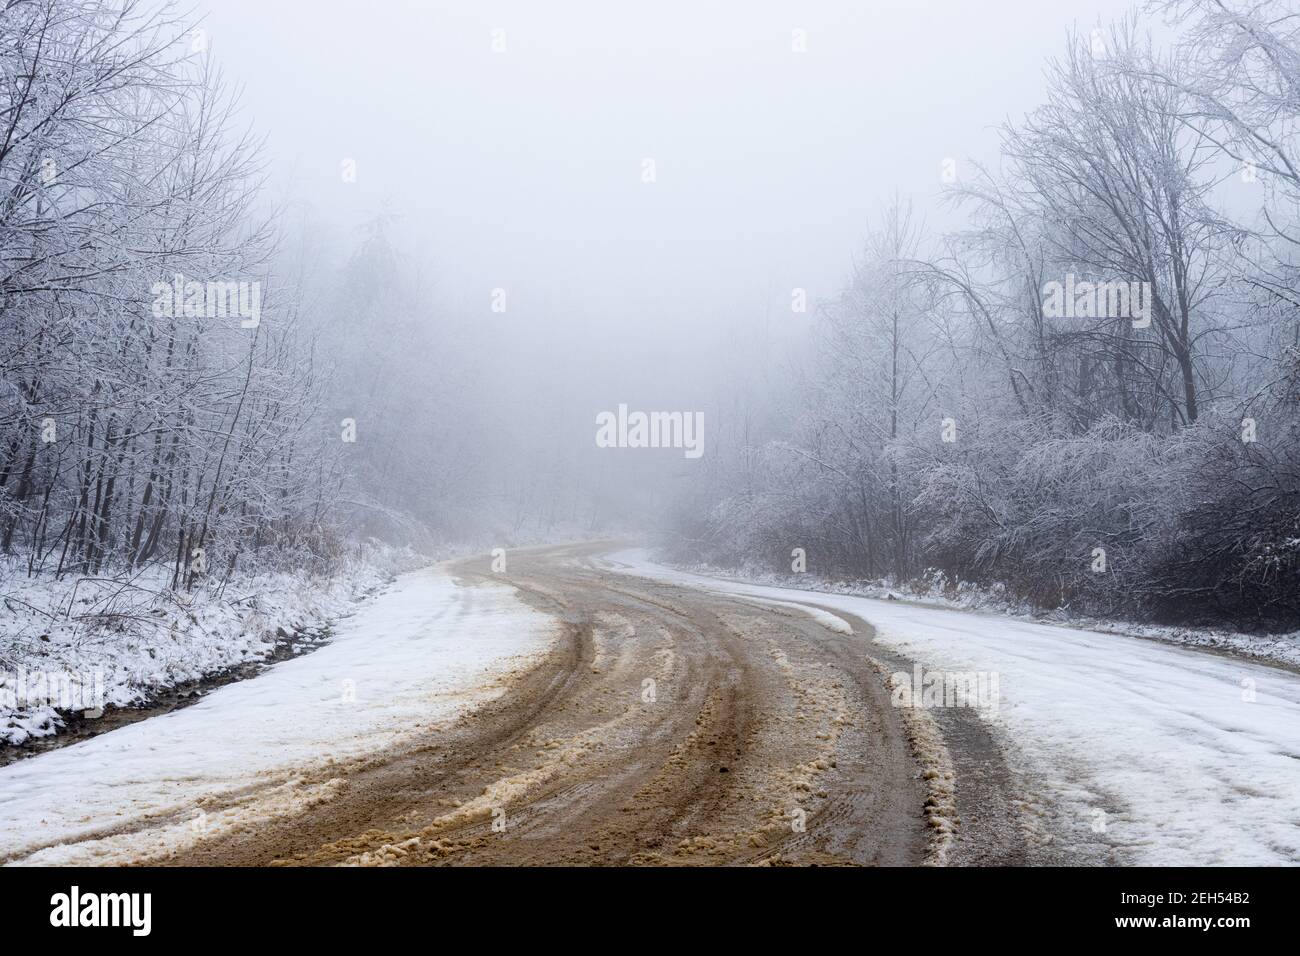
column 417, row 655
column 85, row 643
column 1134, row 751
column 1280, row 649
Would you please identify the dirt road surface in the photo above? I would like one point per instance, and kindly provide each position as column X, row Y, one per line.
column 668, row 726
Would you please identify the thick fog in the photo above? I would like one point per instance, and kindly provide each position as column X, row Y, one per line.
column 523, row 168
column 682, row 433
column 914, row 287
column 509, row 141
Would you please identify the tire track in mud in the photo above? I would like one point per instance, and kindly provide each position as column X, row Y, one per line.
column 668, row 726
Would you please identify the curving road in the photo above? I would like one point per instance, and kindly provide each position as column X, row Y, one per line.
column 668, row 726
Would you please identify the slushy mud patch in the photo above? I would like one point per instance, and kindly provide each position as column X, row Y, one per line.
column 936, row 771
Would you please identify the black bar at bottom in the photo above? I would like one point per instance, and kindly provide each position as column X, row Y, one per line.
column 331, row 906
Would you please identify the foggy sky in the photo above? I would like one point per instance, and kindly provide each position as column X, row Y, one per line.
column 522, row 170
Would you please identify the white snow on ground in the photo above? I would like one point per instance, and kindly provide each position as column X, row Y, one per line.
column 1192, row 758
column 422, row 653
column 124, row 642
column 935, row 590
column 824, row 618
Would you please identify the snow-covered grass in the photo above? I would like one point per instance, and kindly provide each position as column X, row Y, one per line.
column 418, row 654
column 1137, row 751
column 935, row 590
column 132, row 638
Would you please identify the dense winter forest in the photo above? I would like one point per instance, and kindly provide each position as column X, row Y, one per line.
column 1088, row 395
column 188, row 373
column 995, row 405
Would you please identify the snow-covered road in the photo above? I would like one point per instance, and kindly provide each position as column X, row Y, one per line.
column 1137, row 752
column 421, row 653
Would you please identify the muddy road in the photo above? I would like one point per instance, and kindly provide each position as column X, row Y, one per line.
column 668, row 726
